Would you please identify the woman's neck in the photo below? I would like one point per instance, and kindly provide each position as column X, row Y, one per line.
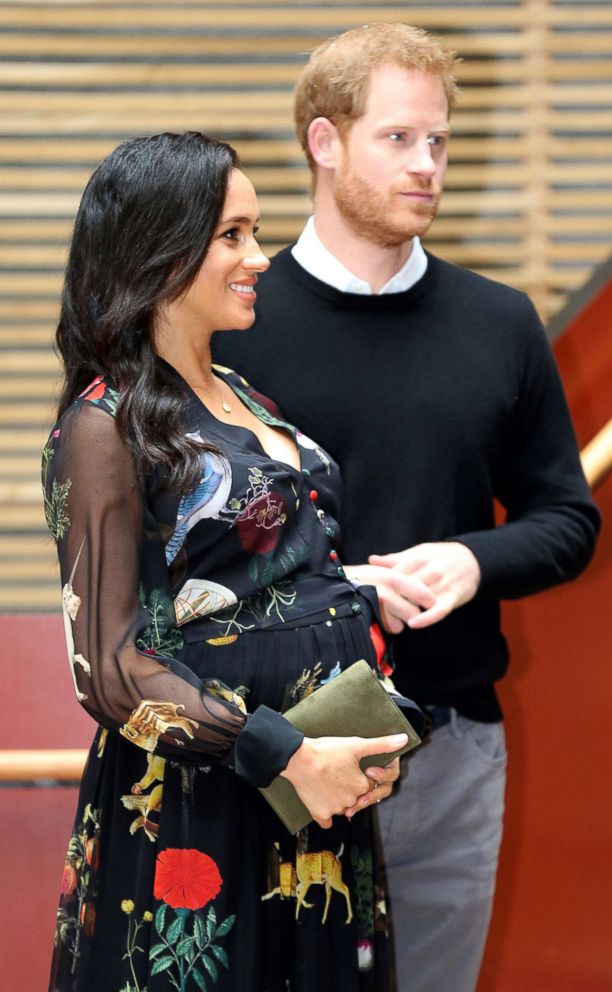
column 188, row 354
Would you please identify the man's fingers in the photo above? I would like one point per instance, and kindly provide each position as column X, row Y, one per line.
column 404, row 599
column 416, row 568
column 413, row 590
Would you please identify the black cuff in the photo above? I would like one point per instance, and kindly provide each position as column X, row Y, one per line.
column 263, row 747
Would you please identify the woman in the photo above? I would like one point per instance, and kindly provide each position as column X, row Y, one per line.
column 202, row 595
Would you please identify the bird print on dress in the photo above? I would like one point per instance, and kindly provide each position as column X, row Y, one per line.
column 205, row 502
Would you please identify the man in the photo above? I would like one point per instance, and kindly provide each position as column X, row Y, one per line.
column 436, row 391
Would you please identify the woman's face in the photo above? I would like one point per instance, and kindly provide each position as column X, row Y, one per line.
column 222, row 295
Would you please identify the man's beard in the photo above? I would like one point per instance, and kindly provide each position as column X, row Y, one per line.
column 372, row 215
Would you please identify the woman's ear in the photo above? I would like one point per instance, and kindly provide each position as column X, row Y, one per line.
column 324, row 143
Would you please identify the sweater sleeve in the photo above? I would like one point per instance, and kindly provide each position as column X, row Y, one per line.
column 96, row 512
column 551, row 522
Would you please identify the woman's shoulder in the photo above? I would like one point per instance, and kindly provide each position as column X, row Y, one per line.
column 100, row 393
column 89, row 416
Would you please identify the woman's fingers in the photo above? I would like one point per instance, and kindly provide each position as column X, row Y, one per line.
column 375, row 795
column 383, row 780
column 325, row 773
column 378, row 745
column 390, row 772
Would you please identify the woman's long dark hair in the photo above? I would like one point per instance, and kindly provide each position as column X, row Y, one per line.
column 142, row 231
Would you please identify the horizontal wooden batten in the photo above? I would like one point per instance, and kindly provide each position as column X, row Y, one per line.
column 16, row 467
column 26, row 413
column 30, row 571
column 16, row 361
column 44, row 235
column 269, row 178
column 95, row 17
column 27, row 387
column 39, row 598
column 71, row 75
column 36, row 766
column 65, row 204
column 181, row 45
column 278, row 14
column 31, row 546
column 24, row 438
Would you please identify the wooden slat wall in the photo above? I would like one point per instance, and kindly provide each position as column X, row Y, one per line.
column 529, row 191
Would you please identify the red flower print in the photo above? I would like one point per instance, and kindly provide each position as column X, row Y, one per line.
column 185, row 878
column 88, row 918
column 259, row 523
column 69, row 880
column 380, row 647
column 92, row 853
column 96, row 389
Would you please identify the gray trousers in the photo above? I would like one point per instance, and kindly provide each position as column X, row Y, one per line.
column 440, row 833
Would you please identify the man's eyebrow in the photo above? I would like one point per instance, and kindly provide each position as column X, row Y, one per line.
column 409, row 127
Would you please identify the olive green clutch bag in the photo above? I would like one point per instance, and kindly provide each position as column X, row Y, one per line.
column 354, row 704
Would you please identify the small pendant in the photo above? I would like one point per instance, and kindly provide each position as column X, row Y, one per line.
column 226, row 407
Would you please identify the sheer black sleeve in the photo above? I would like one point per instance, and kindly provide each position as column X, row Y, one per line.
column 95, row 510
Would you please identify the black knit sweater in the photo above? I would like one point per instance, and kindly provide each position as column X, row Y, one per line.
column 433, row 401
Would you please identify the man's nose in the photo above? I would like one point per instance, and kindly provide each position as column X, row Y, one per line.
column 420, row 159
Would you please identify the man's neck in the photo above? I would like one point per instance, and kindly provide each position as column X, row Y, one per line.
column 374, row 263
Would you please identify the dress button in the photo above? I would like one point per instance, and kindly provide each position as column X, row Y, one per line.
column 333, row 555
column 355, row 607
column 314, row 495
column 329, row 532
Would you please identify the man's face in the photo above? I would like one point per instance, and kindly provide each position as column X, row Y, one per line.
column 389, row 180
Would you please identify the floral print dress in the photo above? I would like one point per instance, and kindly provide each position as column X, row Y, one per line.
column 191, row 624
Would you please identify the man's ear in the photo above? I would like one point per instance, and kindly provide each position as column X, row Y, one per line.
column 324, row 143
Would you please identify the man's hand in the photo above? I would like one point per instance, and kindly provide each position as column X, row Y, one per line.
column 448, row 569
column 401, row 596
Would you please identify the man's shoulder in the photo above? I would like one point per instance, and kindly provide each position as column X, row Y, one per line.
column 453, row 278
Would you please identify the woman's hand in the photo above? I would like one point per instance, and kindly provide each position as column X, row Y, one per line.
column 382, row 781
column 325, row 773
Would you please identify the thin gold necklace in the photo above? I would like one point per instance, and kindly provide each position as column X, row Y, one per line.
column 225, row 406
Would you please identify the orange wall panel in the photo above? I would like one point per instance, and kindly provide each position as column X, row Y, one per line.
column 553, row 913
column 552, row 922
column 39, row 711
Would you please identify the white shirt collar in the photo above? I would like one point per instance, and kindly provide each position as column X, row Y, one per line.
column 310, row 252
